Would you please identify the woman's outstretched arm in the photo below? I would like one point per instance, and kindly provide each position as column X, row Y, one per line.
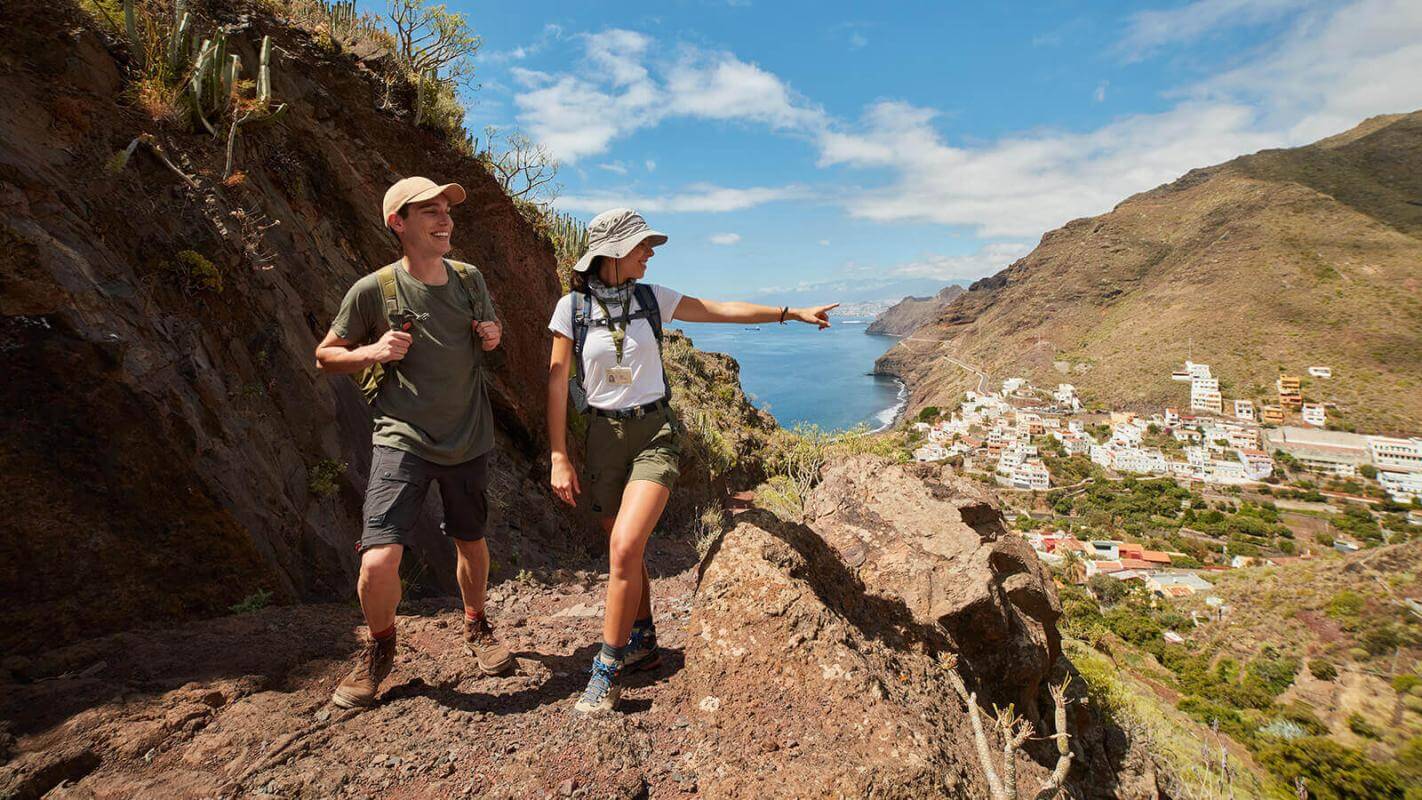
column 564, row 476
column 693, row 309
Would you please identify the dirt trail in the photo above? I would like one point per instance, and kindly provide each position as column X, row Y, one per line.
column 238, row 706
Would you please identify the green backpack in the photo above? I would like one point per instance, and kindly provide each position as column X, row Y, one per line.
column 373, row 377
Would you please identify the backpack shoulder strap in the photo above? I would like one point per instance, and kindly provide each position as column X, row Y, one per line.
column 389, row 297
column 648, row 308
column 467, row 275
column 647, row 300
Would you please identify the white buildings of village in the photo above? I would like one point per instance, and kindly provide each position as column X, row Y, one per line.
column 999, row 432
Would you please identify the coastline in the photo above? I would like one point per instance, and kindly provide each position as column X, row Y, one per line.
column 896, row 411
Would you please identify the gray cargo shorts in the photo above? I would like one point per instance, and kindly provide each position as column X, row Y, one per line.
column 396, row 492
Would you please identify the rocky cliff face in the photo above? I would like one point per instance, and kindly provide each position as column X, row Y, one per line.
column 912, row 313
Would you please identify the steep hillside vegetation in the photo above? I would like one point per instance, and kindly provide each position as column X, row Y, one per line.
column 1269, row 263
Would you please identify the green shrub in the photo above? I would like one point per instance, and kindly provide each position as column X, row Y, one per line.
column 192, row 272
column 1346, row 607
column 1272, row 672
column 324, row 477
column 1133, row 625
column 1359, row 724
column 1107, row 589
column 1322, row 669
column 1333, row 772
column 256, row 601
column 1409, row 758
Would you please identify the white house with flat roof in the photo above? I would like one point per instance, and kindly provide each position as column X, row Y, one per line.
column 1161, row 582
column 1321, row 372
column 930, row 452
column 1031, row 475
column 1314, row 414
column 1244, row 409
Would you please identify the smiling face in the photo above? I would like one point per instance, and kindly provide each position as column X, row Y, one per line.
column 425, row 228
column 633, row 266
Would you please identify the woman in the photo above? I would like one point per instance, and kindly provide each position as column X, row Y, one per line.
column 613, row 323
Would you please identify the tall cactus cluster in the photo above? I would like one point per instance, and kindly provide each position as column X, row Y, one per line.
column 569, row 236
column 176, row 45
column 341, row 16
column 209, row 75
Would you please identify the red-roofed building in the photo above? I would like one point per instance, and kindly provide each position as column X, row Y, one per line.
column 1135, row 563
column 1128, row 550
column 1156, row 557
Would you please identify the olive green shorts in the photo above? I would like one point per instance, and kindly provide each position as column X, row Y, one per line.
column 636, row 449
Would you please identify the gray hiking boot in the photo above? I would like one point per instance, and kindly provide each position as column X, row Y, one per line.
column 357, row 689
column 603, row 688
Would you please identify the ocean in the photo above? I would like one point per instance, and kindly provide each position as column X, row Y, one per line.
column 804, row 375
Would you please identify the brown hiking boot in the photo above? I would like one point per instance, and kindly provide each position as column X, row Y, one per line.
column 493, row 658
column 372, row 666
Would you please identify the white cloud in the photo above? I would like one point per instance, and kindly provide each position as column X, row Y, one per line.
column 1331, row 70
column 696, row 198
column 614, row 166
column 725, row 238
column 857, row 40
column 1333, row 66
column 620, row 89
column 1150, row 30
column 969, row 267
column 824, row 243
column 1100, row 94
column 651, row 165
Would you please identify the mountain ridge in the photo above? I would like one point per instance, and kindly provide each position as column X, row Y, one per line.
column 1263, row 265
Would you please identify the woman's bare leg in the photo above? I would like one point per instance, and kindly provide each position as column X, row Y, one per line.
column 628, row 587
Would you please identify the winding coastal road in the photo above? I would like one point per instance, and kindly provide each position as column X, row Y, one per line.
column 983, row 379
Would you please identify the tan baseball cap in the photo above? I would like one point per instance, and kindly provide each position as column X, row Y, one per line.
column 418, row 190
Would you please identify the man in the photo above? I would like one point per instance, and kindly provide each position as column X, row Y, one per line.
column 423, row 325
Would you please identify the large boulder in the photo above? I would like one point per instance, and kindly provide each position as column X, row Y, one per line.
column 936, row 543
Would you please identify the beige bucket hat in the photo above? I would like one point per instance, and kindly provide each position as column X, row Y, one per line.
column 614, row 233
column 418, row 190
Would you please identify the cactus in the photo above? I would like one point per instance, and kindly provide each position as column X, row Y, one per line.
column 569, row 236
column 264, row 75
column 178, row 38
column 426, row 90
column 130, row 27
column 342, row 18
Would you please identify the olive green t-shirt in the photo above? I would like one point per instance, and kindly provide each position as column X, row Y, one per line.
column 435, row 405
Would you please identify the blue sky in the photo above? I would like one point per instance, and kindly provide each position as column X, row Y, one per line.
column 798, row 151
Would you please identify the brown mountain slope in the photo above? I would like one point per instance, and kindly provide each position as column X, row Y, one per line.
column 1270, row 262
column 911, row 313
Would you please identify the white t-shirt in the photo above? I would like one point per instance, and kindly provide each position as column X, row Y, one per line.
column 639, row 351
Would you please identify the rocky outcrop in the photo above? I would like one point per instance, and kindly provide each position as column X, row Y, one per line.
column 935, row 543
column 812, row 658
column 911, row 313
